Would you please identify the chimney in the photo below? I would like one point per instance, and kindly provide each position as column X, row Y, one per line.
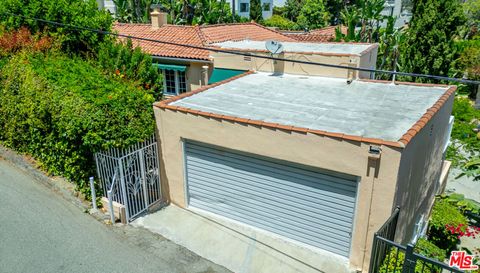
column 158, row 18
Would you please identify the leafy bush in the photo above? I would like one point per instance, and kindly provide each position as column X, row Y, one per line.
column 12, row 42
column 445, row 214
column 392, row 263
column 280, row 22
column 123, row 61
column 61, row 109
column 430, row 250
column 82, row 13
column 462, row 131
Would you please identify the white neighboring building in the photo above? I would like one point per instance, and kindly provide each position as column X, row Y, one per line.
column 397, row 9
column 107, row 4
column 242, row 8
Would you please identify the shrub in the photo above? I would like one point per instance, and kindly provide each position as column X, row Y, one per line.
column 84, row 13
column 280, row 22
column 462, row 131
column 444, row 215
column 123, row 61
column 430, row 250
column 392, row 263
column 61, row 109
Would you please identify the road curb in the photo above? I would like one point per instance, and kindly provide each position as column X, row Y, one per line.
column 56, row 184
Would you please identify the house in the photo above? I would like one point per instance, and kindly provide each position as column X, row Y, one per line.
column 318, row 161
column 321, row 35
column 345, row 54
column 186, row 69
column 242, row 8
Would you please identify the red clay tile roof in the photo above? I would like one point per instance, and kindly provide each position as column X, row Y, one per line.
column 326, row 34
column 195, row 35
column 188, row 35
column 241, row 31
column 401, row 143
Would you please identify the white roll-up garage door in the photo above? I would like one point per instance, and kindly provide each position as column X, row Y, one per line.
column 297, row 202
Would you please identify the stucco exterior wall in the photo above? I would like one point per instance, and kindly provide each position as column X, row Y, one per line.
column 367, row 60
column 194, row 75
column 376, row 177
column 420, row 170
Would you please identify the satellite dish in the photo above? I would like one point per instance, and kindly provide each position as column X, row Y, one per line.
column 274, row 47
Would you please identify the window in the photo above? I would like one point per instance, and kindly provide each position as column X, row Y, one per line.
column 174, row 82
column 244, row 7
column 266, row 6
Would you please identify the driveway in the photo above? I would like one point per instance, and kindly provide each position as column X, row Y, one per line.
column 42, row 232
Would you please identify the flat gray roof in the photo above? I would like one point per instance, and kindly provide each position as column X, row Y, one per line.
column 332, row 48
column 373, row 110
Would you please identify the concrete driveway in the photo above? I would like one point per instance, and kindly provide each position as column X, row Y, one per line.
column 41, row 232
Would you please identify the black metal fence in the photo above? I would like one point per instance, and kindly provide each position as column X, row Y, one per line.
column 388, row 256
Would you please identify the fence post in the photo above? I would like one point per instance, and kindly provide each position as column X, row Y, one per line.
column 94, row 195
column 141, row 154
column 110, row 206
column 410, row 260
column 124, row 189
column 374, row 255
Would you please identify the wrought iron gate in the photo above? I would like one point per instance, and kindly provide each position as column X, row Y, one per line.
column 389, row 256
column 131, row 176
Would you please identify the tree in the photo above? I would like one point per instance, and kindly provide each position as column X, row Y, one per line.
column 429, row 42
column 82, row 13
column 388, row 51
column 313, row 14
column 292, row 9
column 280, row 22
column 472, row 10
column 256, row 10
column 181, row 12
column 334, row 9
column 363, row 21
column 133, row 11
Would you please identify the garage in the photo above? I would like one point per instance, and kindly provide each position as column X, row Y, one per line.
column 302, row 203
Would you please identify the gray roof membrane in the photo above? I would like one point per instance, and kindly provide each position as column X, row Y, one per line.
column 374, row 110
column 335, row 48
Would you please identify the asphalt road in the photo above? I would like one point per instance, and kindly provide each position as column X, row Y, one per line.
column 42, row 232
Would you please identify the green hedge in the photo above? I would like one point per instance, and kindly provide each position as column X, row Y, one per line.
column 394, row 263
column 83, row 13
column 61, row 109
column 443, row 214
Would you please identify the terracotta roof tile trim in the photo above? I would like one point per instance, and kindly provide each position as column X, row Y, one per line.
column 401, row 143
column 413, row 131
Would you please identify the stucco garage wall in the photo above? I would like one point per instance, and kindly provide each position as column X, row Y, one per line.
column 375, row 191
column 420, row 170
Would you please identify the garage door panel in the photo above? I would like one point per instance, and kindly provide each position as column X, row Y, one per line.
column 313, row 196
column 279, row 228
column 217, row 196
column 248, row 161
column 318, row 209
column 307, row 205
column 277, row 177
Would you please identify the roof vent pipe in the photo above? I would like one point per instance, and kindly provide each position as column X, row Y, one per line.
column 158, row 17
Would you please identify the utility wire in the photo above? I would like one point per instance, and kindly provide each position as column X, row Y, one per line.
column 247, row 54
